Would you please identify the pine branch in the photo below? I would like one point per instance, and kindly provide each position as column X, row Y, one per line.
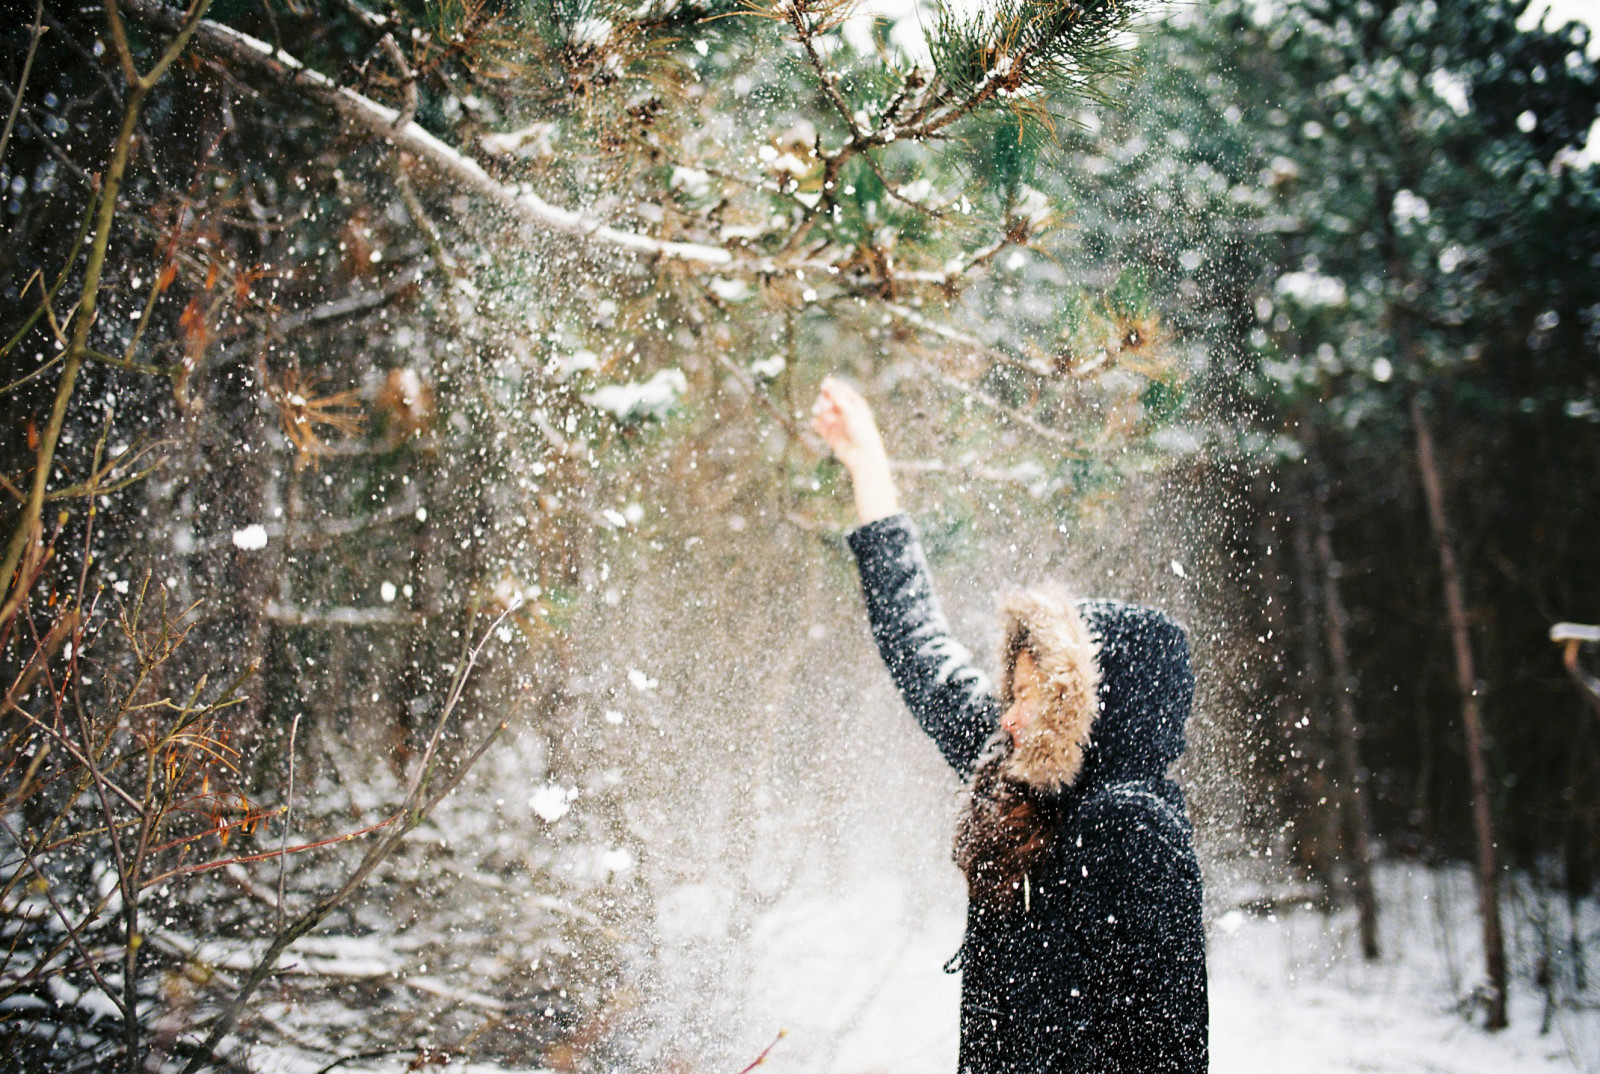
column 381, row 120
column 1017, row 49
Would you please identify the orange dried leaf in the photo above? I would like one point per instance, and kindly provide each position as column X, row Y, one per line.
column 191, row 319
column 301, row 410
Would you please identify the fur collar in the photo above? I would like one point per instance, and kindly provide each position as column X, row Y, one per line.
column 1047, row 623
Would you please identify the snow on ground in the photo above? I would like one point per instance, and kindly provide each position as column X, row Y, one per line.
column 853, row 975
column 1291, row 993
column 855, row 979
column 849, row 968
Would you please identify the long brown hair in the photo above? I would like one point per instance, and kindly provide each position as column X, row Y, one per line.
column 1008, row 826
column 1015, row 804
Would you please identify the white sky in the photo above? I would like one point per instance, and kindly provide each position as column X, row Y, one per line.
column 1560, row 12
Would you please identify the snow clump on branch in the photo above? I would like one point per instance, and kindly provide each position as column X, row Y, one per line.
column 653, row 399
column 1312, row 289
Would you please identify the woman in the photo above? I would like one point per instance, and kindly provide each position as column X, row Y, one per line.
column 1084, row 952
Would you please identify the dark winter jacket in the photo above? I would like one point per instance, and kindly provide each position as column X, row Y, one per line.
column 1102, row 970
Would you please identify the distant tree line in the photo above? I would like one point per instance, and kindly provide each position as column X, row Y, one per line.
column 1381, row 216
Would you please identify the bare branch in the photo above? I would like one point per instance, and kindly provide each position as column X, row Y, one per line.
column 344, row 617
column 1025, row 475
column 119, row 38
column 380, row 120
column 66, row 744
column 49, row 296
column 288, row 810
column 413, row 810
column 24, row 537
column 66, row 923
column 1070, row 446
column 965, row 339
column 191, row 21
column 22, row 83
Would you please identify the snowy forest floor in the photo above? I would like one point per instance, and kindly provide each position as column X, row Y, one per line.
column 854, row 979
column 851, row 973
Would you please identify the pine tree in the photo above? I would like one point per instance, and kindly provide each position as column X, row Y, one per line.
column 366, row 357
column 1380, row 217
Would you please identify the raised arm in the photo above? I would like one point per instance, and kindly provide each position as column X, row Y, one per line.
column 844, row 420
column 950, row 698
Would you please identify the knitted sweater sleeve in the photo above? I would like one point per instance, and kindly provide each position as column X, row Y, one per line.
column 951, row 699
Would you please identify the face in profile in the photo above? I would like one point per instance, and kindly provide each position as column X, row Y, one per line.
column 1027, row 692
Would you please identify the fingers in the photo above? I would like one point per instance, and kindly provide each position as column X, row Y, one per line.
column 827, row 422
column 825, row 400
column 844, row 419
column 841, row 394
column 825, row 409
column 843, row 403
column 827, row 415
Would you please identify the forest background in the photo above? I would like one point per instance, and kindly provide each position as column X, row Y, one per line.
column 427, row 627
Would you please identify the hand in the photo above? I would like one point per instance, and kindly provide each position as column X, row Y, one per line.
column 844, row 419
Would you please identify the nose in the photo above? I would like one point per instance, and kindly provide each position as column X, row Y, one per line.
column 1011, row 721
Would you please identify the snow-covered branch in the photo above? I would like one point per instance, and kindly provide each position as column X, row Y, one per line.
column 1070, row 446
column 344, row 617
column 1028, row 475
column 456, row 166
column 385, row 122
column 951, row 334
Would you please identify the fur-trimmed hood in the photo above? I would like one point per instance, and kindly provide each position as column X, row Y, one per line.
column 1046, row 623
column 1118, row 688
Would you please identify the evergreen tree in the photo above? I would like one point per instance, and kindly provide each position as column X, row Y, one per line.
column 342, row 334
column 1381, row 217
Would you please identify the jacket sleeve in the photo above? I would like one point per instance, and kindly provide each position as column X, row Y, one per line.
column 951, row 699
column 1139, row 987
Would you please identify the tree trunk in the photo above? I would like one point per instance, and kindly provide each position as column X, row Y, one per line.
column 1494, row 952
column 1313, row 675
column 1347, row 735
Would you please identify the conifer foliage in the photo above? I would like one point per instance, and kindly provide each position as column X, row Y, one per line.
column 337, row 338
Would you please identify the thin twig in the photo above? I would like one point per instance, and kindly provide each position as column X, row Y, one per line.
column 288, row 808
column 66, row 269
column 795, row 10
column 66, row 744
column 414, row 808
column 762, row 1058
column 22, row 83
column 266, row 855
column 386, row 42
column 45, row 139
column 767, row 404
column 1070, row 446
column 119, row 38
column 66, row 923
column 26, row 533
